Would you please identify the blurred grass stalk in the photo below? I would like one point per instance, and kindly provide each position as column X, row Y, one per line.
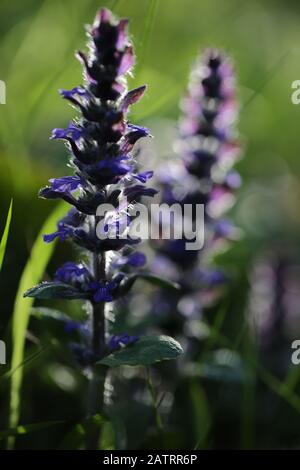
column 32, row 274
column 4, row 238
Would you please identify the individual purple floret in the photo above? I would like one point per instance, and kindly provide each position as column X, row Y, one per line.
column 118, row 341
column 136, row 259
column 72, row 132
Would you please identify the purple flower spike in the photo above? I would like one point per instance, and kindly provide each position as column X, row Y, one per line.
column 100, row 141
column 208, row 149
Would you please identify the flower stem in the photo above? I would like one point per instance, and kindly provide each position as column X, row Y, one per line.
column 98, row 373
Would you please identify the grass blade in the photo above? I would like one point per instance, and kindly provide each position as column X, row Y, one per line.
column 32, row 274
column 5, row 235
column 28, row 428
column 7, row 375
column 147, row 32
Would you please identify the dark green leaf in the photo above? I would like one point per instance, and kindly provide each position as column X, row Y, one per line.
column 55, row 290
column 147, row 350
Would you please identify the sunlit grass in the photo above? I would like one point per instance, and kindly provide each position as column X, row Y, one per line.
column 32, row 274
column 5, row 235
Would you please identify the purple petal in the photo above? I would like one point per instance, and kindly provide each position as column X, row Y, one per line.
column 132, row 97
column 132, row 137
column 144, row 177
column 127, row 61
column 136, row 259
column 66, row 184
column 62, row 234
column 233, row 179
column 122, row 37
column 71, row 132
column 50, row 237
column 119, row 341
column 76, row 91
column 137, row 191
column 70, row 272
column 105, row 16
column 103, row 290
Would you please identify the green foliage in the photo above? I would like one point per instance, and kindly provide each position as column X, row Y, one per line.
column 33, row 271
column 5, row 235
column 146, row 351
column 54, row 290
column 202, row 419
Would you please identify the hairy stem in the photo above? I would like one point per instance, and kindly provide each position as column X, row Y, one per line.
column 98, row 373
column 98, row 338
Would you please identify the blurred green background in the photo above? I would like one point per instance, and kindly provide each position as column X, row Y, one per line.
column 37, row 44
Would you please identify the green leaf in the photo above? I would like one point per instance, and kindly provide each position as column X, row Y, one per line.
column 33, row 271
column 6, row 375
column 5, row 235
column 55, row 290
column 146, row 351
